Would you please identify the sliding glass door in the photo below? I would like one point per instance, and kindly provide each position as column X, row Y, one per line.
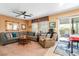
column 64, row 27
column 68, row 25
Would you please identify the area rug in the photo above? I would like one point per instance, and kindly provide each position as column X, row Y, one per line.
column 30, row 49
column 63, row 50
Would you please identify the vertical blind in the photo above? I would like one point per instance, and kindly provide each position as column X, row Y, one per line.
column 41, row 26
column 35, row 27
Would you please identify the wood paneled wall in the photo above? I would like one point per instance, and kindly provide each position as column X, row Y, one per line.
column 29, row 25
column 7, row 18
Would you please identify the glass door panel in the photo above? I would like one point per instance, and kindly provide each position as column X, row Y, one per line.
column 64, row 27
column 75, row 25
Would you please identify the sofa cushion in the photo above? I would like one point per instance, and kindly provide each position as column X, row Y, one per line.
column 8, row 35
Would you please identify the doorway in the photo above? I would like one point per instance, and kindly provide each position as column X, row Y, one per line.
column 64, row 27
column 68, row 26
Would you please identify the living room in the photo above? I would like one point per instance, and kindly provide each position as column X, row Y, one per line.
column 29, row 30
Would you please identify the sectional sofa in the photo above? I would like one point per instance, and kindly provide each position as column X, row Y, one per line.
column 11, row 37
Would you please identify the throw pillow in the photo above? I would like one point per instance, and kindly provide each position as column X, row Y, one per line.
column 14, row 34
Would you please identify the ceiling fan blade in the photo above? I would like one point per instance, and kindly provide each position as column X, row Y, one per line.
column 18, row 15
column 17, row 12
column 28, row 15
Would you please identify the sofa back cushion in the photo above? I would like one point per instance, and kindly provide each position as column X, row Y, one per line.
column 3, row 36
column 31, row 33
column 8, row 35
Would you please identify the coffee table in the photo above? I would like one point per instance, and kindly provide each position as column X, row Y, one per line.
column 23, row 40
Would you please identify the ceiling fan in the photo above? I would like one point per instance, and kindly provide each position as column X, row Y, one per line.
column 22, row 13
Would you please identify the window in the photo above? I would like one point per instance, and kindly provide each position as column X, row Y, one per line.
column 35, row 27
column 43, row 26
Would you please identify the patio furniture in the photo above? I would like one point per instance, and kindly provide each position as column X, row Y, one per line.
column 73, row 38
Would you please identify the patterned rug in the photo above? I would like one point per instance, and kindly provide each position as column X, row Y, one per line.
column 63, row 50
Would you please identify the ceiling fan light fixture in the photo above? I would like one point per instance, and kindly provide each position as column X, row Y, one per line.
column 22, row 13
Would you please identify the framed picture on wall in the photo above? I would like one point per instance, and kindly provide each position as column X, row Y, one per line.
column 12, row 26
column 52, row 25
column 9, row 25
column 15, row 26
column 23, row 26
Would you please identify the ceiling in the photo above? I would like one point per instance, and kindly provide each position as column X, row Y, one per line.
column 37, row 9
